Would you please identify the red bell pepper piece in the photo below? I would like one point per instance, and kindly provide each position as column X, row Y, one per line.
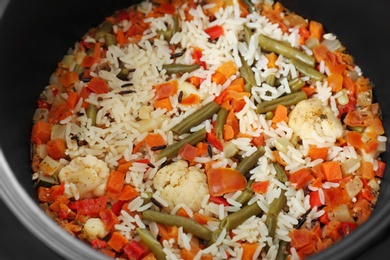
column 89, row 207
column 215, row 31
column 134, row 250
column 213, row 139
column 219, row 200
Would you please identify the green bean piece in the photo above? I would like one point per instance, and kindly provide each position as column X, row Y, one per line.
column 176, row 25
column 188, row 225
column 180, row 68
column 173, row 149
column 248, row 75
column 271, row 45
column 307, row 70
column 296, row 84
column 280, row 173
column 151, row 243
column 221, row 120
column 282, row 252
column 91, row 113
column 167, row 34
column 273, row 212
column 270, row 80
column 269, row 115
column 287, row 100
column 250, row 161
column 359, row 129
column 123, row 74
column 237, row 218
column 110, row 39
column 214, row 236
column 106, row 27
column 247, row 194
column 247, row 34
column 196, row 118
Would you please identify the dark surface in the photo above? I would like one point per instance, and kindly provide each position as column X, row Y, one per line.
column 28, row 56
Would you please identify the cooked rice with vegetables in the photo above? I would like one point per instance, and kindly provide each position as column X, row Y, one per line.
column 211, row 130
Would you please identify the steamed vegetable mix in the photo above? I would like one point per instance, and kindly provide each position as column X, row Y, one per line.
column 208, row 130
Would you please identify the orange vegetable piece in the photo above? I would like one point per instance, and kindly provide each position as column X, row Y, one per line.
column 191, row 99
column 272, row 57
column 332, row 170
column 224, row 180
column 117, row 241
column 69, row 78
column 56, row 148
column 73, row 98
column 301, row 178
column 115, row 184
column 355, row 139
column 370, row 145
column 232, row 121
column 166, row 89
column 238, row 105
column 260, row 187
column 316, row 30
column 98, row 86
column 280, row 114
column 163, row 104
column 124, row 167
column 183, row 213
column 149, row 256
column 237, row 85
column 367, row 170
column 335, row 81
column 108, row 218
column 188, row 152
column 318, row 153
column 320, row 52
column 202, row 219
column 309, row 90
column 120, row 37
column 249, row 250
column 41, row 132
column 218, row 78
column 202, row 148
column 154, row 140
column 128, row 193
column 228, row 132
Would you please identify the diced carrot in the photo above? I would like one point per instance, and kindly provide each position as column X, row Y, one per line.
column 215, row 31
column 88, row 61
column 258, row 140
column 335, row 81
column 191, row 99
column 153, row 139
column 278, row 159
column 194, row 81
column 128, row 193
column 149, row 256
column 317, row 182
column 381, row 169
column 218, row 78
column 124, row 167
column 317, row 171
column 183, row 213
column 56, row 148
column 108, row 218
column 84, row 94
column 315, row 199
column 228, row 132
column 164, row 103
column 117, row 241
column 73, row 98
column 260, row 187
column 224, row 180
column 233, row 122
column 138, row 146
column 320, row 52
column 69, row 78
column 237, row 85
column 318, row 153
column 203, row 219
column 167, row 8
column 272, row 57
column 166, row 89
column 97, row 52
column 238, row 105
column 370, row 145
column 41, row 132
column 202, row 148
column 309, row 90
column 316, row 30
column 232, row 94
column 220, row 99
column 98, row 86
column 120, row 37
column 115, row 184
column 249, row 250
column 366, row 170
column 300, row 238
column 226, row 105
column 332, row 170
column 355, row 139
column 188, row 152
column 301, row 178
column 59, row 111
column 134, row 30
column 280, row 114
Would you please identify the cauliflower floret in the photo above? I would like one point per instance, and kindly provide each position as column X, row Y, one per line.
column 310, row 116
column 94, row 228
column 179, row 183
column 88, row 174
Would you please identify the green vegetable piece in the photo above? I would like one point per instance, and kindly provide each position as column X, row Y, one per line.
column 110, row 39
column 180, row 68
column 196, row 118
column 247, row 194
column 237, row 218
column 123, row 74
column 271, row 45
column 273, row 212
column 176, row 25
column 249, row 162
column 105, row 27
column 214, row 236
column 307, row 70
column 173, row 149
column 247, row 34
column 296, row 84
column 91, row 113
column 152, row 243
column 221, row 120
column 188, row 225
column 282, row 252
column 248, row 75
column 269, row 115
column 280, row 173
column 270, row 80
column 287, row 100
column 167, row 34
column 45, row 181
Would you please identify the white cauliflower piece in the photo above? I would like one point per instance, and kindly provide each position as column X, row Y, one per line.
column 88, row 174
column 311, row 116
column 179, row 183
column 94, row 228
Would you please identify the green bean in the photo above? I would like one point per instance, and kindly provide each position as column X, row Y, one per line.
column 196, row 118
column 123, row 74
column 282, row 255
column 110, row 39
column 247, row 194
column 221, row 119
column 307, row 70
column 273, row 212
column 280, row 173
column 247, row 34
column 271, row 45
column 188, row 225
column 250, row 161
column 173, row 149
column 180, row 68
column 296, row 84
column 91, row 113
column 270, row 80
column 237, row 218
column 359, row 129
column 287, row 100
column 214, row 236
column 167, row 34
column 151, row 243
column 106, row 27
column 176, row 25
column 248, row 75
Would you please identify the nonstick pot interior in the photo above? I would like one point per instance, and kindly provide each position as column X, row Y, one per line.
column 34, row 35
